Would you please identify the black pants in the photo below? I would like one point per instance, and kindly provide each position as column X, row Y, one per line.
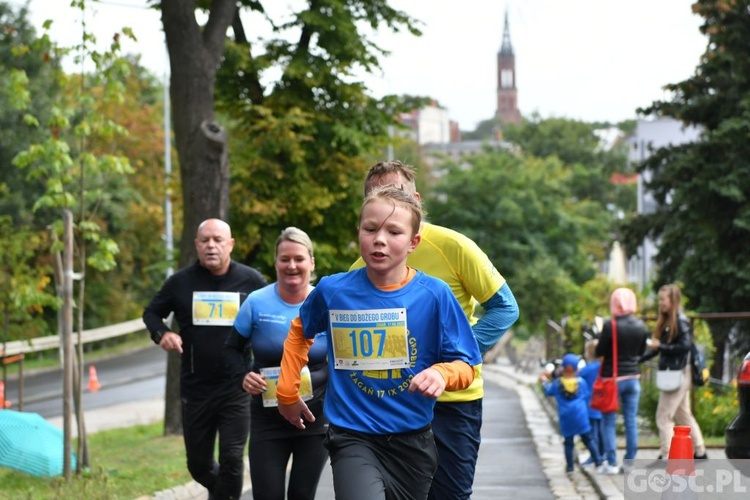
column 202, row 419
column 268, row 463
column 382, row 467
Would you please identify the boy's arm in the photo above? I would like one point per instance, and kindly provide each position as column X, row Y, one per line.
column 457, row 374
column 296, row 348
column 433, row 381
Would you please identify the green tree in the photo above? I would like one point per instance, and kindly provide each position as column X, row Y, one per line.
column 576, row 144
column 702, row 224
column 318, row 120
column 75, row 178
column 34, row 88
column 26, row 277
column 520, row 211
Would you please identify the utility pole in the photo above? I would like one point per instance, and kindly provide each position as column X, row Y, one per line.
column 168, row 172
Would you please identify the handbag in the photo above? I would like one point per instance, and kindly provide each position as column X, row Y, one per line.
column 604, row 389
column 668, row 380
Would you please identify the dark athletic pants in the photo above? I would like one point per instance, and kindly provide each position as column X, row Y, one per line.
column 202, row 419
column 268, row 462
column 457, row 428
column 381, row 467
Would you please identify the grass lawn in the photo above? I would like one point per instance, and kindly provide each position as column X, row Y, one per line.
column 125, row 464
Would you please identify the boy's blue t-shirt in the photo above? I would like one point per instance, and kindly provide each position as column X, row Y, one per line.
column 377, row 401
column 572, row 410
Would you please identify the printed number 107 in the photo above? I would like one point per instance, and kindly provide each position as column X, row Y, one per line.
column 364, row 343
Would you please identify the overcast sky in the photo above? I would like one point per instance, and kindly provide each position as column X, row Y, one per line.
column 593, row 60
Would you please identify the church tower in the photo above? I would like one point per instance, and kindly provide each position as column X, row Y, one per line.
column 507, row 94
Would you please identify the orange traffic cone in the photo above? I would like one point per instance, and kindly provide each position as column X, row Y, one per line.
column 93, row 380
column 3, row 402
column 680, row 466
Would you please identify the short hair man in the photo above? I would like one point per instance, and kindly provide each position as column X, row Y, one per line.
column 205, row 298
column 457, row 260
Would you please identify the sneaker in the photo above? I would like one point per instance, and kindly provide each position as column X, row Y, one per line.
column 700, row 457
column 607, row 469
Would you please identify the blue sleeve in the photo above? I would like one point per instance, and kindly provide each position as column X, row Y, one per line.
column 243, row 322
column 550, row 388
column 585, row 388
column 500, row 312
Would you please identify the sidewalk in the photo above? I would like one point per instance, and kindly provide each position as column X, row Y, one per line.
column 604, row 486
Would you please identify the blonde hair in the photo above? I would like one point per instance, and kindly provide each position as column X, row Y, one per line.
column 396, row 197
column 295, row 235
column 668, row 320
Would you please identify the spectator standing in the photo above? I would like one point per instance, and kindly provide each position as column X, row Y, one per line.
column 205, row 298
column 261, row 326
column 671, row 341
column 471, row 276
column 631, row 344
column 397, row 339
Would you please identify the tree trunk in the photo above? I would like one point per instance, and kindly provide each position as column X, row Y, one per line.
column 201, row 143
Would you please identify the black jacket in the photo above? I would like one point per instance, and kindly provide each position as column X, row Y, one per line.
column 673, row 355
column 202, row 370
column 631, row 344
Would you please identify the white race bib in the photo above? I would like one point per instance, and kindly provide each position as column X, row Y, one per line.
column 373, row 339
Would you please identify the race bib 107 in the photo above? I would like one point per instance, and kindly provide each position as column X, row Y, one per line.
column 373, row 339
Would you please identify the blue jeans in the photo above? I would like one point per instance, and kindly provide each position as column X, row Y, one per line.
column 568, row 444
column 630, row 393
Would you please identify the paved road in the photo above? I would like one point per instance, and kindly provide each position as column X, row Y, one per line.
column 134, row 376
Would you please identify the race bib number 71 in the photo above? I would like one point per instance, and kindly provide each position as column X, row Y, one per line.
column 373, row 339
column 215, row 308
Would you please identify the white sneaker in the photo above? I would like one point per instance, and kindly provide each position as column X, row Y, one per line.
column 608, row 469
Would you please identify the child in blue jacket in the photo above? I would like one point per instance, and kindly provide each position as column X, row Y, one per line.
column 572, row 395
column 589, row 374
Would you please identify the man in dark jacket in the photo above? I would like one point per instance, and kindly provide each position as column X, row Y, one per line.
column 205, row 298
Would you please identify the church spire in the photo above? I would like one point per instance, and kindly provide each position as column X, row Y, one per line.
column 507, row 94
column 506, row 49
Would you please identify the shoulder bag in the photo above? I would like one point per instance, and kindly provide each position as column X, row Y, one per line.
column 669, row 380
column 604, row 390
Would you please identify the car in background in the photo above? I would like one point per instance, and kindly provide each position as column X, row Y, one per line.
column 737, row 433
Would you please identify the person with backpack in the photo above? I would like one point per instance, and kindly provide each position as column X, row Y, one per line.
column 672, row 341
column 572, row 394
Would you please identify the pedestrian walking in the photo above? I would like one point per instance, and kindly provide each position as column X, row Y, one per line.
column 671, row 341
